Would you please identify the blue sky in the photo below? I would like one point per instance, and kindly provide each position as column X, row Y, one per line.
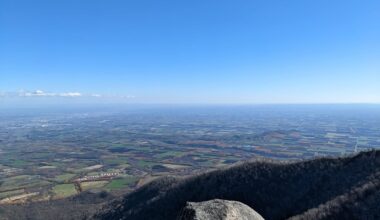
column 199, row 51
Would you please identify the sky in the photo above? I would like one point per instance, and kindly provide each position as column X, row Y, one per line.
column 198, row 51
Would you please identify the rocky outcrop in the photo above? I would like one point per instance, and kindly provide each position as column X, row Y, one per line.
column 218, row 209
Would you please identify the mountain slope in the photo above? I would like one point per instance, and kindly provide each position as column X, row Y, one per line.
column 322, row 188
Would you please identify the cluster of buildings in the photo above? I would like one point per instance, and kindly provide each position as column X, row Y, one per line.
column 98, row 177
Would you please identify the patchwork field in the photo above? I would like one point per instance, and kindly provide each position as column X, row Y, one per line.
column 45, row 156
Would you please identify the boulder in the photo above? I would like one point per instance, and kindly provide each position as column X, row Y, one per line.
column 218, row 209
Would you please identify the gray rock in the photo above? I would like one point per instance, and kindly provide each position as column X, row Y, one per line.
column 218, row 209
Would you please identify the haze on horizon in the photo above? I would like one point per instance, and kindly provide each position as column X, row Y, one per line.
column 194, row 52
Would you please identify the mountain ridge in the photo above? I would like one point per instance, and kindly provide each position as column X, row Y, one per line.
column 276, row 190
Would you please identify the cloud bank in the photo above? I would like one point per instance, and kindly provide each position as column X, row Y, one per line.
column 41, row 93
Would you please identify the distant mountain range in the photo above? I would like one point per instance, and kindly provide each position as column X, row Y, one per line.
column 322, row 188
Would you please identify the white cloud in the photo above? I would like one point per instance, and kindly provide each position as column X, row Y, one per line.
column 70, row 94
column 35, row 93
column 41, row 93
column 128, row 96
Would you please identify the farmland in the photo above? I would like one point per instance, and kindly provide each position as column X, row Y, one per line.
column 56, row 154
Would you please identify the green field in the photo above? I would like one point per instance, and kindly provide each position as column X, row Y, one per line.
column 121, row 183
column 64, row 190
column 145, row 164
column 64, row 177
column 11, row 193
column 93, row 185
column 115, row 161
column 19, row 163
column 22, row 181
column 170, row 154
